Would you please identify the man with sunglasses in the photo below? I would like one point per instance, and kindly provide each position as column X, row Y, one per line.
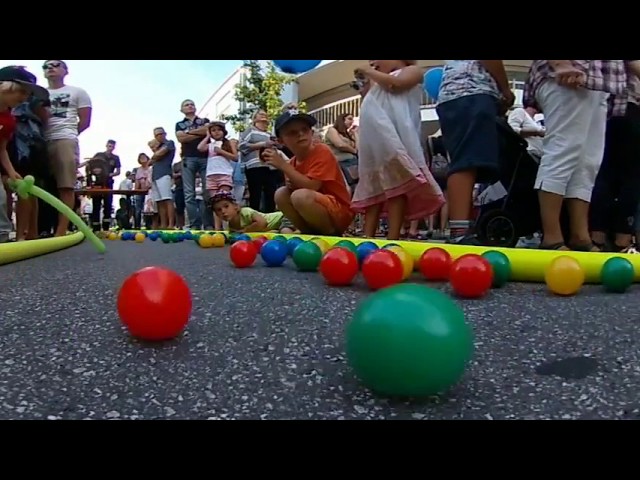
column 70, row 116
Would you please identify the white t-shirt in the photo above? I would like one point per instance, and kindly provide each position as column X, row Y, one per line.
column 65, row 102
column 217, row 164
column 520, row 120
column 126, row 184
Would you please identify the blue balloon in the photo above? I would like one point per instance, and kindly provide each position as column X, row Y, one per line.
column 294, row 67
column 432, row 82
column 274, row 253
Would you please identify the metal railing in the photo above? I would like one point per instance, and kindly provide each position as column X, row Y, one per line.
column 327, row 115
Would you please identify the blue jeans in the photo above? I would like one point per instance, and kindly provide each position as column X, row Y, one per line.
column 5, row 222
column 138, row 207
column 190, row 167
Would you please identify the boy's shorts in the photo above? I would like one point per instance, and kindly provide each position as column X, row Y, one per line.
column 470, row 135
column 341, row 215
column 218, row 182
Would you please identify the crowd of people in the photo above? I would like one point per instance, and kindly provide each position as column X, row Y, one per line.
column 295, row 178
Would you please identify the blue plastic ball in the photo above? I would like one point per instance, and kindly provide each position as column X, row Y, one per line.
column 294, row 67
column 153, row 236
column 274, row 253
column 243, row 237
column 292, row 243
column 364, row 250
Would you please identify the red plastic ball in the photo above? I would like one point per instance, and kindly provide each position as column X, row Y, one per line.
column 471, row 276
column 154, row 304
column 243, row 254
column 435, row 264
column 382, row 269
column 339, row 267
column 259, row 242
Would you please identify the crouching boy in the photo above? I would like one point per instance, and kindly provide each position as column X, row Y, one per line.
column 316, row 198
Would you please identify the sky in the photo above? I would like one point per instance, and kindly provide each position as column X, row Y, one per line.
column 132, row 97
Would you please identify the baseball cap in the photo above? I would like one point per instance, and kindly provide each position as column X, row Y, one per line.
column 25, row 78
column 290, row 116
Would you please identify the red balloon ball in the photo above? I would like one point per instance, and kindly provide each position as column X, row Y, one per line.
column 471, row 276
column 435, row 264
column 243, row 254
column 382, row 269
column 154, row 304
column 339, row 267
column 259, row 242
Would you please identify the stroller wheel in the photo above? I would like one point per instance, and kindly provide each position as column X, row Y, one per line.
column 496, row 228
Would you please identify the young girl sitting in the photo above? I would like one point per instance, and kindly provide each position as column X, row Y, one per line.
column 222, row 153
column 393, row 175
column 246, row 219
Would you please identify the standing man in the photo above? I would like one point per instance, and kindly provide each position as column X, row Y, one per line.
column 178, row 194
column 106, row 201
column 190, row 132
column 162, row 178
column 70, row 116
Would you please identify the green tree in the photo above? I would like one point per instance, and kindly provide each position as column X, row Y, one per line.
column 262, row 91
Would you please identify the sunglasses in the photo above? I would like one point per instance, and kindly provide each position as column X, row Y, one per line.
column 49, row 65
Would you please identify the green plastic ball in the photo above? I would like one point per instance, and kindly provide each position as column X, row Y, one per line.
column 307, row 256
column 348, row 244
column 617, row 275
column 409, row 341
column 501, row 267
column 280, row 238
column 166, row 238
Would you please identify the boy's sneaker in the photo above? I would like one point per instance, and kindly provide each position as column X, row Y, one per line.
column 4, row 237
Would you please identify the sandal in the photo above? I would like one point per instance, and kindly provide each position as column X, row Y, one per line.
column 590, row 247
column 553, row 246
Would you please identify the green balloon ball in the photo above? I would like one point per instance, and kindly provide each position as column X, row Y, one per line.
column 501, row 267
column 280, row 238
column 165, row 238
column 409, row 341
column 617, row 274
column 307, row 256
column 348, row 244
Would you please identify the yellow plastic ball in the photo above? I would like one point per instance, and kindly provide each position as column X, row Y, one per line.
column 205, row 241
column 323, row 244
column 217, row 240
column 140, row 237
column 406, row 259
column 564, row 276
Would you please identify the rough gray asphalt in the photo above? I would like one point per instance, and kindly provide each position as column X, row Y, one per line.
column 268, row 344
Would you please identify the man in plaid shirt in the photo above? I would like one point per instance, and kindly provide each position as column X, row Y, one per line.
column 572, row 95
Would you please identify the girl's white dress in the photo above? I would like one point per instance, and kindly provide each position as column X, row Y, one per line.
column 391, row 161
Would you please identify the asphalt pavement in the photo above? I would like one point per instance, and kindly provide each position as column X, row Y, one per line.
column 268, row 343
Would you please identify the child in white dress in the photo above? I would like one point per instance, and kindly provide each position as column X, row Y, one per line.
column 394, row 176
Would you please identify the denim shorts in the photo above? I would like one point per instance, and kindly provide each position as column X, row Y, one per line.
column 349, row 169
column 470, row 135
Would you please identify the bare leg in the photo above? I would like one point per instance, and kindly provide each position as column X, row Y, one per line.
column 171, row 215
column 397, row 207
column 579, row 217
column 68, row 197
column 372, row 220
column 285, row 205
column 314, row 214
column 550, row 208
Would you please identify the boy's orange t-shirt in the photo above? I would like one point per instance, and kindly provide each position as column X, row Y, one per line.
column 322, row 165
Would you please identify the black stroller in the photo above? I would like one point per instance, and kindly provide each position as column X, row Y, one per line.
column 509, row 208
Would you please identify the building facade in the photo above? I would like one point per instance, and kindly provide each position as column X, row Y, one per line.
column 223, row 101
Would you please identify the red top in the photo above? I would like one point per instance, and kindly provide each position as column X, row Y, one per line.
column 7, row 125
